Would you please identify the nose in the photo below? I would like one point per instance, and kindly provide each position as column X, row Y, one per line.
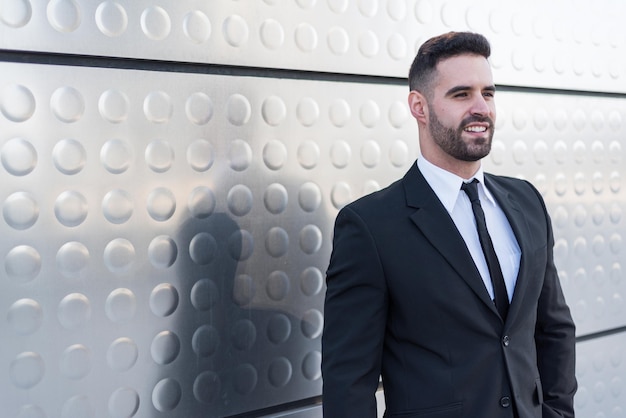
column 480, row 107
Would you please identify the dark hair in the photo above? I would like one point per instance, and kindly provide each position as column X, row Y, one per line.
column 439, row 48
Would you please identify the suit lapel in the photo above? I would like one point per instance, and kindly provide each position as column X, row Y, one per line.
column 435, row 223
column 519, row 224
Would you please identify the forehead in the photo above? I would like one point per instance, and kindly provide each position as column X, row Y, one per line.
column 463, row 70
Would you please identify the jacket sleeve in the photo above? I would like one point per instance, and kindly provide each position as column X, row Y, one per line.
column 555, row 334
column 354, row 321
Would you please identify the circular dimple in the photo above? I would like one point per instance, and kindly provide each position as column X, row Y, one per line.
column 16, row 13
column 277, row 242
column 311, row 365
column 307, row 111
column 113, row 106
column 205, row 341
column 273, row 110
column 25, row 316
column 200, row 155
column 520, row 152
column 119, row 255
column 161, row 204
column 202, row 248
column 159, row 156
column 308, row 154
column 306, row 37
column 235, row 30
column 338, row 6
column 63, row 15
column 310, row 239
column 311, row 281
column 27, row 370
column 204, row 294
column 243, row 335
column 74, row 310
column 338, row 41
column 22, row 263
column 117, row 206
column 163, row 300
column 155, row 23
column 274, row 155
column 341, row 194
column 309, row 197
column 311, row 323
column 122, row 354
column 397, row 47
column 70, row 208
column 207, row 387
column 30, row 411
column 17, row 103
column 598, row 152
column 368, row 44
column 75, row 362
column 398, row 114
column 244, row 289
column 245, row 379
column 275, row 198
column 72, row 258
column 77, row 406
column 111, row 18
column 560, row 152
column 279, row 373
column 278, row 328
column 197, row 27
column 340, row 154
column 272, row 34
column 339, row 113
column 116, row 155
column 540, row 152
column 157, row 107
column 239, row 155
column 277, row 286
column 398, row 153
column 165, row 347
column 123, row 403
column 20, row 210
column 199, row 108
column 240, row 245
column 166, row 395
column 19, row 157
column 239, row 200
column 370, row 154
column 238, row 110
column 67, row 104
column 121, row 305
column 369, row 114
column 162, row 252
column 69, row 156
column 201, row 202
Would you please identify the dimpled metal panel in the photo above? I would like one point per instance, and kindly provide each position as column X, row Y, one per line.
column 165, row 235
column 558, row 44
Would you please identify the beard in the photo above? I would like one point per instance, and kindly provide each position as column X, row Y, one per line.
column 451, row 140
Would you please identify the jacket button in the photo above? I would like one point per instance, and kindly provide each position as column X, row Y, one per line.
column 506, row 340
column 505, row 402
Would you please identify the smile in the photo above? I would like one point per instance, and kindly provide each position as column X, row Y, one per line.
column 475, row 129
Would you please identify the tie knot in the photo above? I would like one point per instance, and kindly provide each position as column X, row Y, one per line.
column 471, row 189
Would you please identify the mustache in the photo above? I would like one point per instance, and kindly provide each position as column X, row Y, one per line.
column 474, row 119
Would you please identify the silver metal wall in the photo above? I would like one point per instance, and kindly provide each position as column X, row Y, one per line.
column 166, row 221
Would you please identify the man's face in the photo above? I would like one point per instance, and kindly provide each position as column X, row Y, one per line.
column 462, row 107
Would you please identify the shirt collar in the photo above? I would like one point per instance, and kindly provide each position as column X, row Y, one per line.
column 447, row 185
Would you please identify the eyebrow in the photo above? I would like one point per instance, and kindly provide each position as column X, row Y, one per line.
column 456, row 89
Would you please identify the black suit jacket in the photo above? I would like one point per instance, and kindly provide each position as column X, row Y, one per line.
column 404, row 300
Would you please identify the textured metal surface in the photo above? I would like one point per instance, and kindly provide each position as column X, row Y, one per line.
column 165, row 235
column 601, row 370
column 558, row 44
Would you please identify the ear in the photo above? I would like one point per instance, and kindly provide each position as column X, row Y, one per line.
column 418, row 106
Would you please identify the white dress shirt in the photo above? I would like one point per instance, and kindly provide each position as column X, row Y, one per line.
column 447, row 187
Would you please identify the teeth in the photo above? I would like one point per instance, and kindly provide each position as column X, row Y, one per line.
column 476, row 129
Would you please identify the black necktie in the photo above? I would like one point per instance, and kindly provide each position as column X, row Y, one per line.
column 499, row 288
